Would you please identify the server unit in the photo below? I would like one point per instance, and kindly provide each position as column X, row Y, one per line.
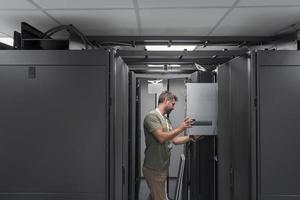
column 200, row 172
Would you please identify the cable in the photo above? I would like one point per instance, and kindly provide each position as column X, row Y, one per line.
column 71, row 29
column 54, row 30
column 199, row 67
column 83, row 36
column 6, row 34
column 64, row 27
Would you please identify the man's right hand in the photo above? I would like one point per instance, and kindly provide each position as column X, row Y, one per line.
column 186, row 123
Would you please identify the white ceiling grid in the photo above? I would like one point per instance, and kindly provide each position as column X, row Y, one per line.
column 144, row 4
column 15, row 4
column 102, row 22
column 153, row 17
column 86, row 4
column 11, row 20
column 258, row 21
column 270, row 3
column 179, row 21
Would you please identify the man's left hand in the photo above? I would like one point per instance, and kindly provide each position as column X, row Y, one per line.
column 194, row 138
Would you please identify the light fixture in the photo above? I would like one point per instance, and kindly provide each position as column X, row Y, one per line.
column 174, row 65
column 170, row 48
column 154, row 81
column 155, row 65
column 199, row 67
column 7, row 40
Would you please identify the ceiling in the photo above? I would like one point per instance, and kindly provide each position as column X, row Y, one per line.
column 154, row 17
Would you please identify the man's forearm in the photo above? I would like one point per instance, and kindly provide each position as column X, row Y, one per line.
column 162, row 136
column 174, row 133
column 181, row 139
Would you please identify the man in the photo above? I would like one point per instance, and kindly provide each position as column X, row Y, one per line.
column 159, row 135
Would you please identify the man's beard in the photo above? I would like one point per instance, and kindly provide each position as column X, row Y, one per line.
column 168, row 111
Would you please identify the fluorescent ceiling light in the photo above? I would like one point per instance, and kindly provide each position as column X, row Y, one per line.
column 155, row 65
column 154, row 81
column 173, row 65
column 7, row 40
column 170, row 48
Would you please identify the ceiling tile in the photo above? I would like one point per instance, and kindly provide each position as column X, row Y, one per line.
column 268, row 2
column 257, row 21
column 11, row 21
column 84, row 4
column 16, row 4
column 113, row 22
column 185, row 3
column 3, row 35
column 185, row 22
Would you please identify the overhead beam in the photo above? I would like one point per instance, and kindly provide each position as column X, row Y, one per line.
column 163, row 76
column 126, row 53
column 192, row 40
column 201, row 61
column 164, row 73
column 182, row 38
column 182, row 67
column 177, row 43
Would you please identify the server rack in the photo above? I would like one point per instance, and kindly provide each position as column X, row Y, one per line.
column 59, row 137
column 234, row 130
column 64, row 122
column 202, row 169
column 200, row 172
column 278, row 114
column 119, row 124
column 258, row 115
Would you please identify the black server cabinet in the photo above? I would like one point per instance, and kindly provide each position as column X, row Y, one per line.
column 132, row 138
column 258, row 123
column 234, row 130
column 201, row 169
column 119, row 124
column 278, row 86
column 54, row 125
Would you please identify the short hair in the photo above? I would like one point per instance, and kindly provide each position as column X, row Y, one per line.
column 166, row 95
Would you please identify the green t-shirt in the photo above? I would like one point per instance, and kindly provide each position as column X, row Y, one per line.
column 157, row 156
